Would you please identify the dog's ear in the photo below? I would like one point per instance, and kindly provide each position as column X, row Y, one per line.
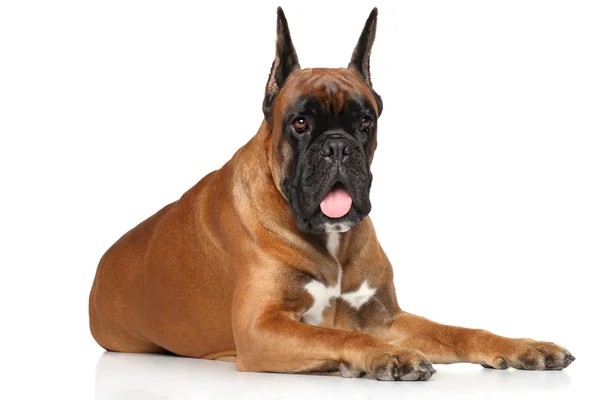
column 361, row 56
column 286, row 61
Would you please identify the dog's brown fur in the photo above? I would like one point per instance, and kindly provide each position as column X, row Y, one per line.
column 222, row 272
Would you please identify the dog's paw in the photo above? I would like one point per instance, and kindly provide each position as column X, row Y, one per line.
column 403, row 365
column 532, row 355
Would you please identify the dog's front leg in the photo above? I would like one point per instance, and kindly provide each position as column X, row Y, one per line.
column 444, row 344
column 278, row 343
column 270, row 337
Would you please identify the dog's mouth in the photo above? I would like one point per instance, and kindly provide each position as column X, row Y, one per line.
column 337, row 202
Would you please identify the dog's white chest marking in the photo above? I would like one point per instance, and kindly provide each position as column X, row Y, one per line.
column 360, row 296
column 333, row 242
column 322, row 296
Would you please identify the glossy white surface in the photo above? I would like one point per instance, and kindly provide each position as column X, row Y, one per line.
column 135, row 376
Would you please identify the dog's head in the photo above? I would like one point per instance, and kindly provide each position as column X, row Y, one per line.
column 324, row 133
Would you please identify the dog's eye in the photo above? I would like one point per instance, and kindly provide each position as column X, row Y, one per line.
column 366, row 122
column 300, row 125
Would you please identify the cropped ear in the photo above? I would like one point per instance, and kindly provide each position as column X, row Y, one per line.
column 361, row 56
column 286, row 61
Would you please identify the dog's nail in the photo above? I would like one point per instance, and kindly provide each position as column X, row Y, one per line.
column 500, row 363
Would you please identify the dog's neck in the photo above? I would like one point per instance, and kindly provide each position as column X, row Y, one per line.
column 253, row 180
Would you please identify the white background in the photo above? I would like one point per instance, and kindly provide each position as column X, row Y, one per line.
column 486, row 189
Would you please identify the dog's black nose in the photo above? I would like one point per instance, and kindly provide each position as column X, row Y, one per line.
column 336, row 148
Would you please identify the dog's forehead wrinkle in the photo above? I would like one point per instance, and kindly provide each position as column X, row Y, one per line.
column 337, row 79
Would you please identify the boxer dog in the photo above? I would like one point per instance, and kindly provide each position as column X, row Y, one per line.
column 273, row 258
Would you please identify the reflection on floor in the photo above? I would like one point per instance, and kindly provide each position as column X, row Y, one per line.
column 147, row 376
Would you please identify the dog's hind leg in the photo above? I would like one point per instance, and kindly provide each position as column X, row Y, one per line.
column 113, row 337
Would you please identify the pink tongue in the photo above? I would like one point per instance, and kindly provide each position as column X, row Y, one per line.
column 336, row 204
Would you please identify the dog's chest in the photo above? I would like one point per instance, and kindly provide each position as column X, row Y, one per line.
column 327, row 299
